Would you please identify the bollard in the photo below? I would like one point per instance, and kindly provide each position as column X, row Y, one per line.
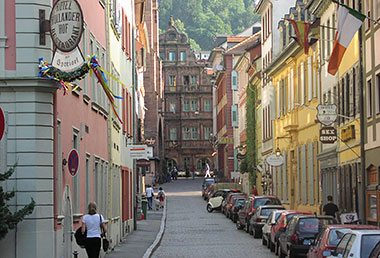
column 75, row 253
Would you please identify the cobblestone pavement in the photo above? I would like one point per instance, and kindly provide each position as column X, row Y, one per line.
column 193, row 232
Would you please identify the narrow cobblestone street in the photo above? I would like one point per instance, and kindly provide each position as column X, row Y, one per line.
column 193, row 232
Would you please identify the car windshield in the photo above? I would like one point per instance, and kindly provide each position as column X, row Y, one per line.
column 368, row 243
column 336, row 235
column 277, row 216
column 308, row 225
column 266, row 201
column 239, row 201
column 267, row 212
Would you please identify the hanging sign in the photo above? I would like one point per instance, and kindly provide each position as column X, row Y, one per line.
column 348, row 133
column 137, row 151
column 66, row 24
column 68, row 62
column 2, row 123
column 73, row 162
column 327, row 135
column 275, row 160
column 327, row 114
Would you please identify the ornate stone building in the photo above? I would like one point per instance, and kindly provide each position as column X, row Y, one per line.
column 188, row 104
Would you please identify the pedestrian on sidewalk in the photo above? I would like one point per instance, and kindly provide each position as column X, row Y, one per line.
column 207, row 171
column 193, row 171
column 330, row 208
column 93, row 222
column 161, row 197
column 254, row 191
column 149, row 195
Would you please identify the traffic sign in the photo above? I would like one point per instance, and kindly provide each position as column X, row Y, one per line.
column 327, row 113
column 2, row 123
column 275, row 160
column 73, row 162
column 327, row 135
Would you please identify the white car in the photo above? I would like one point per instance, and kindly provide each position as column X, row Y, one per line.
column 268, row 225
column 355, row 243
column 215, row 201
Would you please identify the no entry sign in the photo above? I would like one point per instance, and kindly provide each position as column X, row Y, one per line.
column 2, row 124
column 73, row 162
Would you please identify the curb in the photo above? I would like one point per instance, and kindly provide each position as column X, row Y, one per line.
column 148, row 253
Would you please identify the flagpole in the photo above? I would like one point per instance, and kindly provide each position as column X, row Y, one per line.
column 311, row 24
column 366, row 16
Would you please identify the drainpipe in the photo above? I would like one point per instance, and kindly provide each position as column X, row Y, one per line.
column 362, row 195
column 134, row 126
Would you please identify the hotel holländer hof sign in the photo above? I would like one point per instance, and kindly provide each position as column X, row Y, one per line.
column 66, row 28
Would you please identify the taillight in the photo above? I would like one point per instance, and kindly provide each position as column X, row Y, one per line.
column 294, row 239
column 259, row 220
column 328, row 248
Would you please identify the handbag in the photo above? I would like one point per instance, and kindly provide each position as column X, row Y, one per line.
column 105, row 241
column 80, row 238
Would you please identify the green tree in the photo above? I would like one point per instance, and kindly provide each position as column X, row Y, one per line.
column 9, row 220
column 251, row 155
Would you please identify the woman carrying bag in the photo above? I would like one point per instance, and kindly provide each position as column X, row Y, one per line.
column 93, row 223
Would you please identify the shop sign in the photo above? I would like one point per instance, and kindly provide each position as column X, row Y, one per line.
column 73, row 162
column 347, row 133
column 327, row 114
column 274, row 160
column 137, row 151
column 66, row 24
column 67, row 62
column 327, row 135
column 226, row 140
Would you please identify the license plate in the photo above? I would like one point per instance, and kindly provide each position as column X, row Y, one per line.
column 306, row 242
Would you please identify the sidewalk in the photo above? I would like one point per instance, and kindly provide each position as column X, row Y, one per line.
column 140, row 240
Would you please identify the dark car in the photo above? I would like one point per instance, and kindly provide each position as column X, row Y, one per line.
column 250, row 206
column 237, row 205
column 227, row 200
column 330, row 236
column 258, row 219
column 231, row 202
column 297, row 237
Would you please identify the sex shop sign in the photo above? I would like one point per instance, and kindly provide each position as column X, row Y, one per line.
column 66, row 28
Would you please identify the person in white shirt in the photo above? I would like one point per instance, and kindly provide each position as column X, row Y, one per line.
column 149, row 195
column 92, row 222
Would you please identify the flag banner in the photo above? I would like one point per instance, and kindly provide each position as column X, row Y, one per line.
column 349, row 22
column 302, row 31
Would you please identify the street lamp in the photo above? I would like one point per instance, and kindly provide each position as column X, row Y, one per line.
column 278, row 152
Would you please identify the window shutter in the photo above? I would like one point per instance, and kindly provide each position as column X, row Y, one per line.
column 315, row 84
column 310, row 153
column 234, row 83
column 304, row 174
column 291, row 83
column 234, row 116
column 289, row 100
column 235, row 160
column 285, row 175
column 275, row 183
column 299, row 175
column 309, row 79
column 302, row 83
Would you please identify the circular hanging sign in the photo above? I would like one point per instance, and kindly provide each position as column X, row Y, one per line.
column 73, row 162
column 275, row 160
column 2, row 123
column 66, row 24
column 327, row 114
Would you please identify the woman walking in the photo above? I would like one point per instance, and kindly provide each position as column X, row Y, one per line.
column 93, row 222
column 161, row 197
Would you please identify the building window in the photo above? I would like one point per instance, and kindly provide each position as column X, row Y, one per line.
column 186, row 133
column 171, row 80
column 353, row 98
column 173, row 134
column 234, row 82
column 193, row 80
column 369, row 99
column 172, row 56
column 186, row 162
column 207, row 132
column 88, row 178
column 234, row 116
column 186, row 105
column 186, row 80
column 183, row 56
column 194, row 105
column 377, row 92
column 194, row 133
column 172, row 106
column 372, row 205
column 207, row 105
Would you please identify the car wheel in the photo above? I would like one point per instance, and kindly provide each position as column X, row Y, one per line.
column 271, row 246
column 209, row 208
column 255, row 233
column 290, row 253
column 263, row 241
column 247, row 227
column 238, row 224
column 280, row 253
column 268, row 242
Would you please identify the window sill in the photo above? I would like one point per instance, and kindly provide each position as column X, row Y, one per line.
column 77, row 216
column 95, row 106
column 60, row 218
column 77, row 91
column 86, row 98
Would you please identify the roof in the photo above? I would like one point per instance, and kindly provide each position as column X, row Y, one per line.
column 366, row 232
column 240, row 47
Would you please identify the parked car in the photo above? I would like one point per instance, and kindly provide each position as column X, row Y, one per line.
column 231, row 203
column 330, row 236
column 215, row 201
column 228, row 200
column 258, row 219
column 355, row 243
column 375, row 253
column 282, row 222
column 237, row 205
column 206, row 183
column 209, row 191
column 250, row 206
column 268, row 225
column 299, row 234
